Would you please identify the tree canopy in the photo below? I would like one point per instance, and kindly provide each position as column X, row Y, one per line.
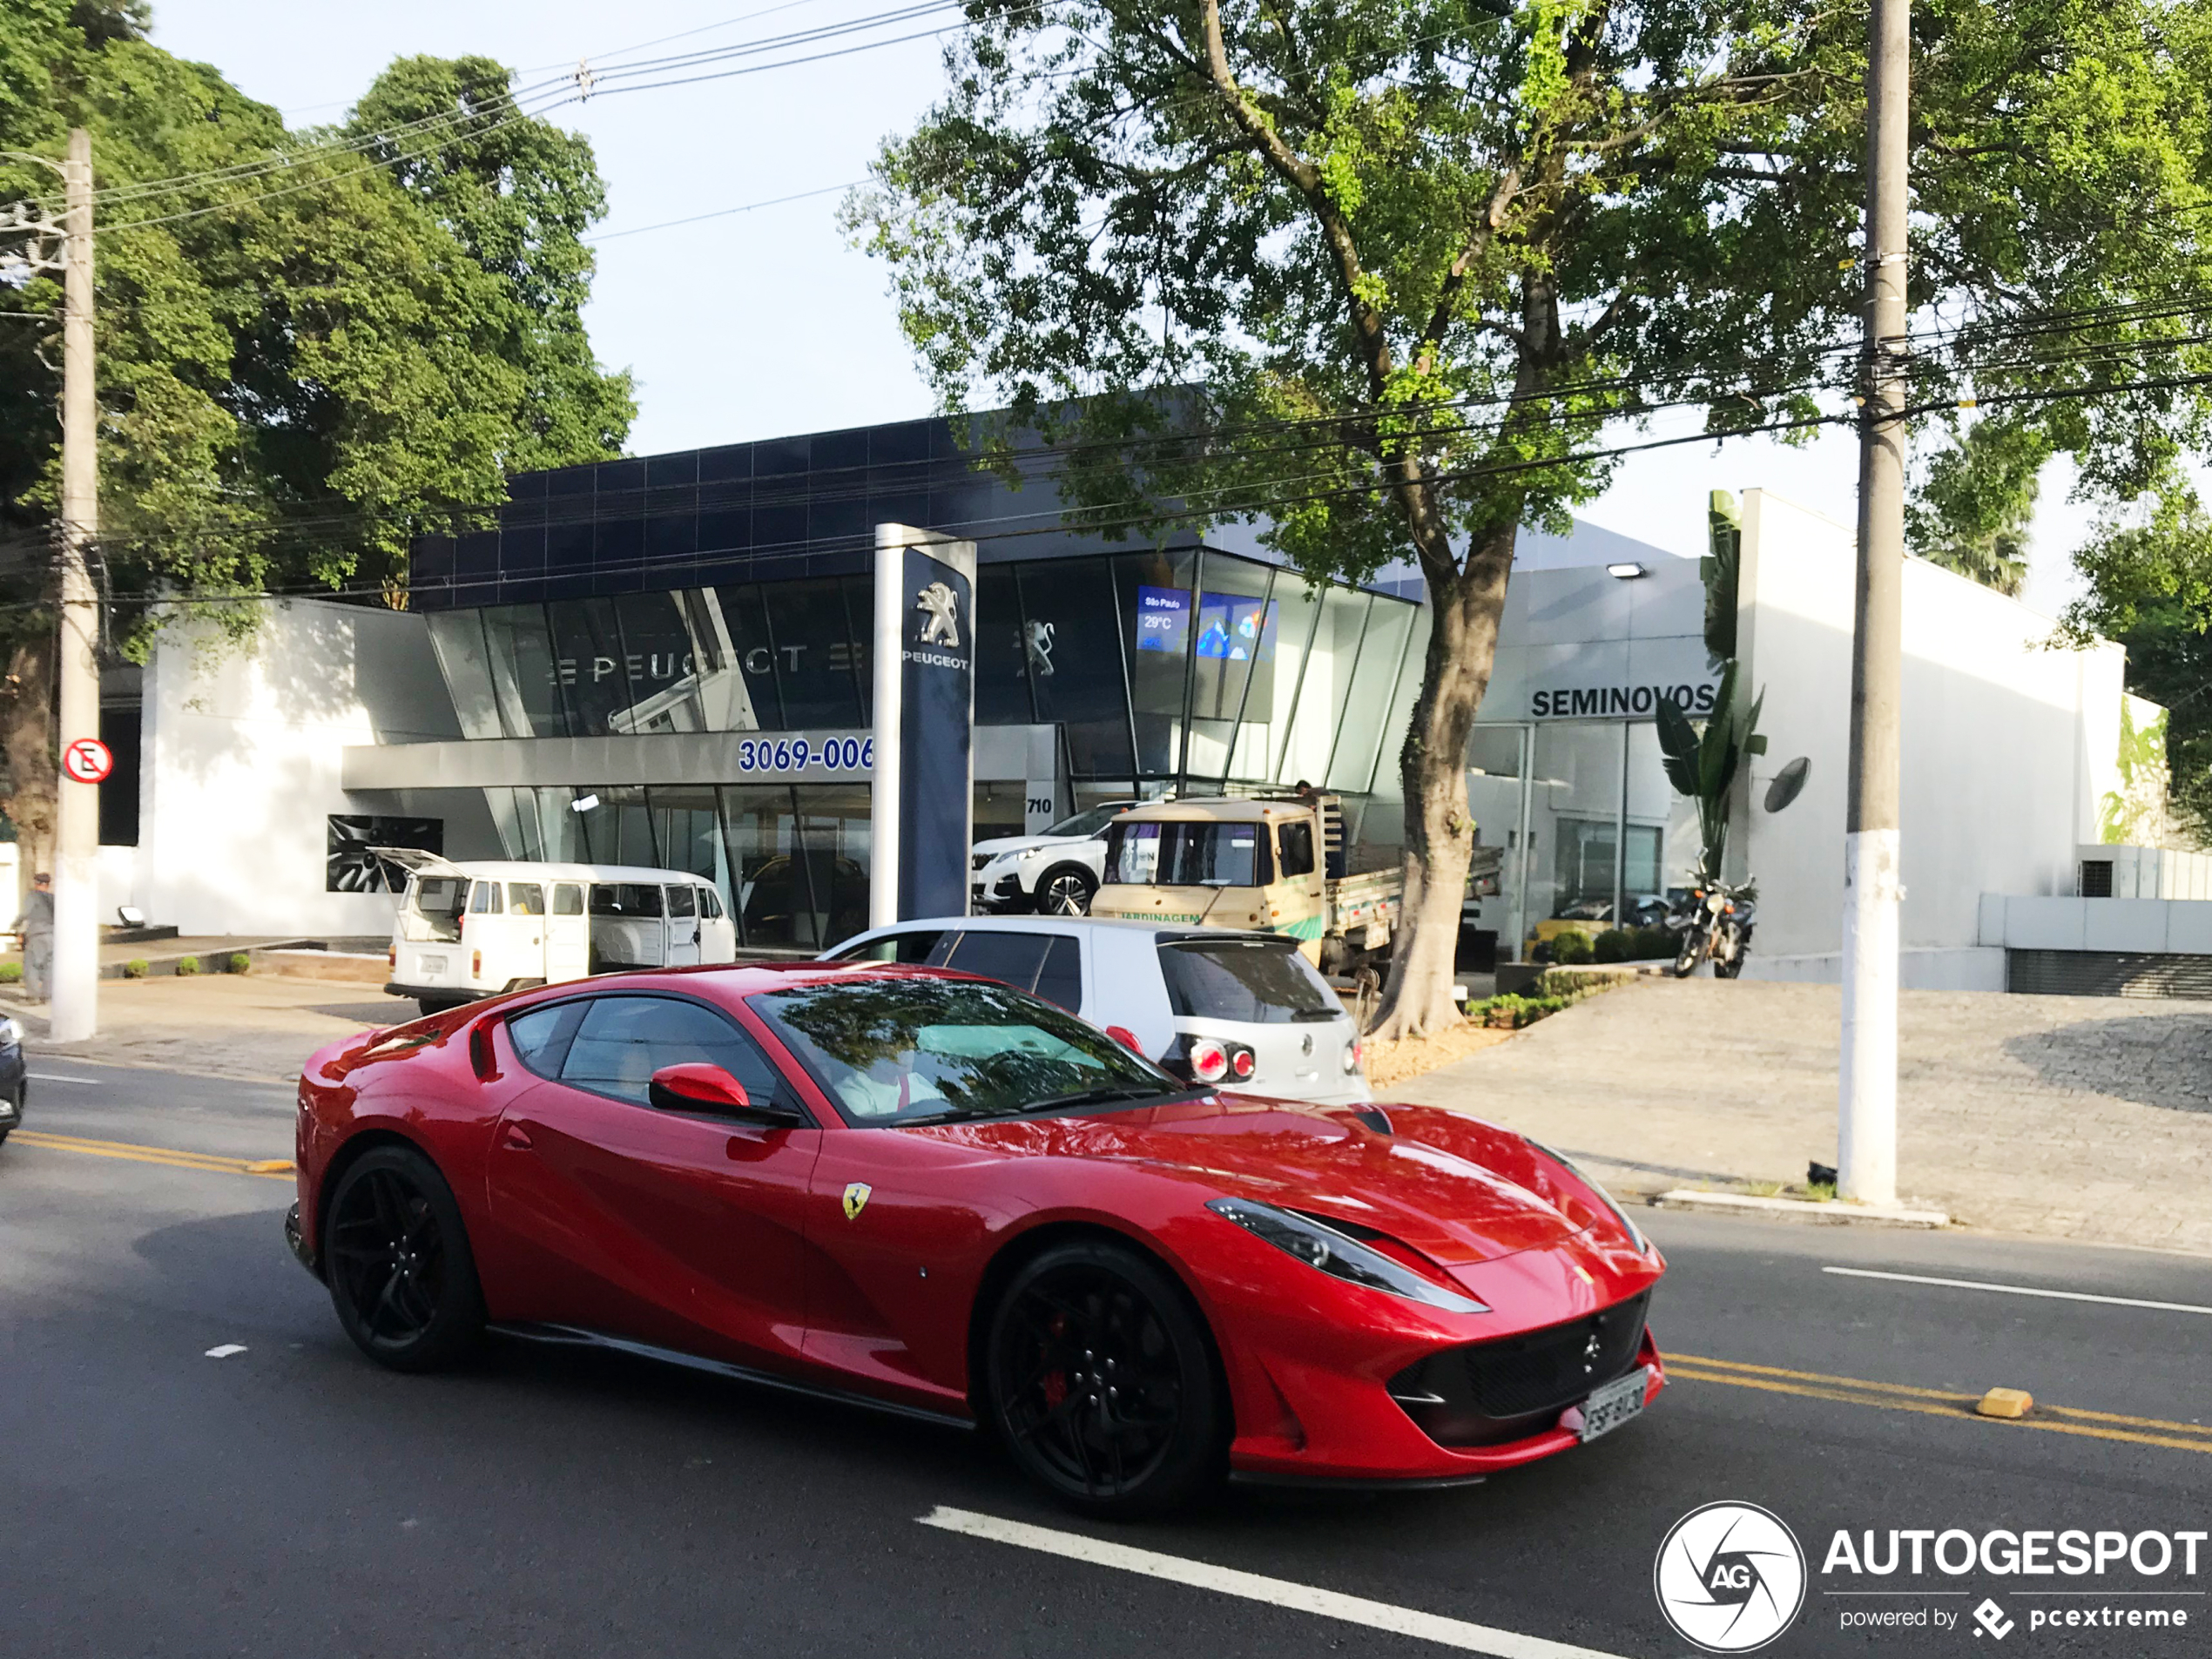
column 1384, row 275
column 333, row 341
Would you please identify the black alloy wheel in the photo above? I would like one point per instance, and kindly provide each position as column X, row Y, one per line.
column 396, row 1258
column 1065, row 892
column 1103, row 1382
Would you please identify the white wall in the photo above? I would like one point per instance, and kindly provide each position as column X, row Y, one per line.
column 241, row 757
column 2006, row 745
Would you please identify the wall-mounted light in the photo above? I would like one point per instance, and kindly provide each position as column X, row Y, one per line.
column 1627, row 571
column 583, row 803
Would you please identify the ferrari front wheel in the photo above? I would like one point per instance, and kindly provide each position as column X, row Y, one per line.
column 1103, row 1384
column 396, row 1256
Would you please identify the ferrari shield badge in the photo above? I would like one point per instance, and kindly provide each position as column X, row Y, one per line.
column 856, row 1199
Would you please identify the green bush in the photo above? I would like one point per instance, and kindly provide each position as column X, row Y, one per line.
column 1612, row 946
column 241, row 962
column 1571, row 947
column 11, row 973
column 136, row 968
column 187, row 965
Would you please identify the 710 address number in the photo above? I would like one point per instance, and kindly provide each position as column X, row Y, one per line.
column 795, row 754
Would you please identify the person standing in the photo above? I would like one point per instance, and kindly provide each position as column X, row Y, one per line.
column 38, row 938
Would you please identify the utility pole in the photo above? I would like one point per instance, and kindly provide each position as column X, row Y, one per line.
column 1866, row 1130
column 74, row 1009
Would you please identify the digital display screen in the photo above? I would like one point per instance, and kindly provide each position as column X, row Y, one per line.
column 1163, row 619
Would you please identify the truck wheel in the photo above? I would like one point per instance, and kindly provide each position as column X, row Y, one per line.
column 1066, row 891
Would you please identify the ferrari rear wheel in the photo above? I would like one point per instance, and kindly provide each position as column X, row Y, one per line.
column 396, row 1256
column 1102, row 1381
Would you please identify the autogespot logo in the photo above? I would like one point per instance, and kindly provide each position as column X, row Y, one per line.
column 1730, row 1577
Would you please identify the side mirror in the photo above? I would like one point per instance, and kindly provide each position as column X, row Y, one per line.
column 1127, row 1038
column 698, row 1087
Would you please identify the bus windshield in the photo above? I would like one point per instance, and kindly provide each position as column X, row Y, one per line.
column 1201, row 854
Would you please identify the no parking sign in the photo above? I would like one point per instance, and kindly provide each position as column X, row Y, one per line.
column 87, row 761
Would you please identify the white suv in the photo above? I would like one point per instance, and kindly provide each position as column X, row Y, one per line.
column 1241, row 1011
column 1055, row 873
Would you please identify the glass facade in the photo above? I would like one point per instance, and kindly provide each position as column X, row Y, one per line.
column 1588, row 828
column 1189, row 670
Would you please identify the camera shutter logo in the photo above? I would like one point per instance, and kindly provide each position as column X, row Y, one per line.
column 1730, row 1577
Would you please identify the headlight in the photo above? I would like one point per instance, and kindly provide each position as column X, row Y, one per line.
column 10, row 1034
column 1339, row 1254
column 1635, row 1233
column 1027, row 852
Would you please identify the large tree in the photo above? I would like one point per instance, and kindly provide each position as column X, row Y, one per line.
column 322, row 343
column 1407, row 263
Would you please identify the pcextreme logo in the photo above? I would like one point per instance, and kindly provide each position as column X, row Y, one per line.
column 1730, row 1577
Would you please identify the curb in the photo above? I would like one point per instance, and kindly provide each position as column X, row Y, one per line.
column 1802, row 1209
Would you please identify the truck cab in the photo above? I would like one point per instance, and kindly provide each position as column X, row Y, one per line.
column 1274, row 864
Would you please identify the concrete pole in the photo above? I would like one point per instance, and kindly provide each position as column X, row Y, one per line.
column 77, row 818
column 1866, row 1134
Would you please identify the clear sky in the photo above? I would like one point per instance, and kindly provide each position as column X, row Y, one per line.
column 766, row 323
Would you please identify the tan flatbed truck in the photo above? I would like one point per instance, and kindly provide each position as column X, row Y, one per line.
column 1263, row 864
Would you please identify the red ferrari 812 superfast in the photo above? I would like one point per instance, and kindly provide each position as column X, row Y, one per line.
column 931, row 1193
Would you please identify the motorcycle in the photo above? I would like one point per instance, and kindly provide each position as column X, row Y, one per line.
column 1714, row 921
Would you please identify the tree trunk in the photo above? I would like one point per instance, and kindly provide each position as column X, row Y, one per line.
column 1465, row 607
column 27, row 743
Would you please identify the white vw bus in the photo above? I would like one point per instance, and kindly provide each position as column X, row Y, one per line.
column 464, row 931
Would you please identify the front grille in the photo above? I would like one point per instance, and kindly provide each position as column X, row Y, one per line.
column 1490, row 1392
column 1550, row 1370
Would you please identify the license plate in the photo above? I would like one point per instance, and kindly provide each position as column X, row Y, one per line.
column 431, row 964
column 1613, row 1404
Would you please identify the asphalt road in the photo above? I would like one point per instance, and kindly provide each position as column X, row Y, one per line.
column 292, row 1498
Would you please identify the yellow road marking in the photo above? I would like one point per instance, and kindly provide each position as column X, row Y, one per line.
column 1935, row 1402
column 170, row 1157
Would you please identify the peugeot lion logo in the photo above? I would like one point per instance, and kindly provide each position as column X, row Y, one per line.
column 1730, row 1577
column 943, row 609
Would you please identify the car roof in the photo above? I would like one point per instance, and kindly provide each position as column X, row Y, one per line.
column 504, row 869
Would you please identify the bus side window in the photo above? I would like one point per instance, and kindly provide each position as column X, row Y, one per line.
column 568, row 899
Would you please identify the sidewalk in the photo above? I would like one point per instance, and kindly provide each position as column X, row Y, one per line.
column 2087, row 1118
column 258, row 1027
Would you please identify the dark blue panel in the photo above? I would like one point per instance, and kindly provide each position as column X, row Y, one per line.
column 476, row 558
column 723, row 531
column 732, row 460
column 844, row 452
column 903, row 507
column 908, row 441
column 571, row 481
column 683, row 468
column 568, row 548
column 843, row 521
column 521, row 553
column 618, row 557
column 430, row 573
column 779, row 528
column 780, row 458
column 621, row 475
column 670, row 536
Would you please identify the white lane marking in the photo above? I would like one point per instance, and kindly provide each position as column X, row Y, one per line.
column 224, row 1350
column 55, row 1077
column 1253, row 1587
column 2020, row 1289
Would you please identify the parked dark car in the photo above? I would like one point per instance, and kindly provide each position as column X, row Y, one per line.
column 15, row 1076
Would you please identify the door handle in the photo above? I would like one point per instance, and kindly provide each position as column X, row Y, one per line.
column 518, row 1137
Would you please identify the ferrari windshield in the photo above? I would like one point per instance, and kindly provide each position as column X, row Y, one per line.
column 891, row 1051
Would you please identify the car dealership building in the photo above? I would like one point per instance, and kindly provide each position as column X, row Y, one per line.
column 662, row 661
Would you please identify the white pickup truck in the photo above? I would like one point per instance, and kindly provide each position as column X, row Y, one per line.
column 1271, row 864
